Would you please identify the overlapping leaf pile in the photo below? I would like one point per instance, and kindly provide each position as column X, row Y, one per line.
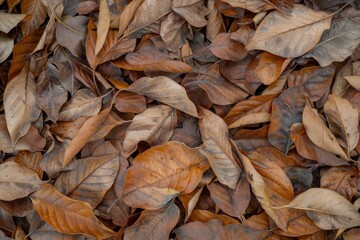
column 182, row 119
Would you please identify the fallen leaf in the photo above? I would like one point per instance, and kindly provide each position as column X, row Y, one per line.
column 17, row 181
column 20, row 104
column 342, row 179
column 319, row 134
column 290, row 36
column 251, row 5
column 8, row 21
column 6, row 47
column 193, row 11
column 190, row 200
column 146, row 228
column 103, row 25
column 175, row 95
column 232, row 201
column 35, row 11
column 225, row 48
column 328, row 209
column 286, row 110
column 337, row 43
column 55, row 208
column 155, row 125
column 162, row 172
column 343, row 121
column 217, row 148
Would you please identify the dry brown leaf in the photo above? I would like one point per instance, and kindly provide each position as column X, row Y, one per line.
column 204, row 216
column 102, row 26
column 307, row 149
column 160, row 173
column 328, row 209
column 286, row 110
column 128, row 14
column 343, row 121
column 217, row 148
column 193, row 11
column 190, row 200
column 319, row 134
column 290, row 36
column 92, row 175
column 20, row 104
column 17, row 181
column 35, row 11
column 256, row 109
column 155, row 125
column 84, row 103
column 232, row 201
column 266, row 68
column 154, row 224
column 8, row 21
column 225, row 48
column 270, row 189
column 50, row 94
column 55, row 209
column 175, row 95
column 342, row 179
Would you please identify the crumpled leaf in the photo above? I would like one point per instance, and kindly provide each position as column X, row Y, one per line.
column 8, row 21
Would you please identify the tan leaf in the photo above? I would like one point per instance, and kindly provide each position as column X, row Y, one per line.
column 50, row 94
column 87, row 130
column 17, row 181
column 173, row 31
column 147, row 13
column 103, row 25
column 217, row 148
column 215, row 21
column 190, row 200
column 225, row 48
column 159, row 173
column 342, row 179
column 307, row 149
column 8, row 21
column 128, row 14
column 6, row 47
column 193, row 11
column 175, row 95
column 247, row 111
column 155, row 125
column 154, row 224
column 337, row 43
column 84, row 103
column 30, row 160
column 55, row 209
column 319, row 134
column 290, row 36
column 92, row 176
column 271, row 187
column 251, row 5
column 328, row 209
column 285, row 6
column 130, row 102
column 343, row 121
column 266, row 68
column 233, row 202
column 20, row 104
column 35, row 11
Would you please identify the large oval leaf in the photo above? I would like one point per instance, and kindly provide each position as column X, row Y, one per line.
column 160, row 173
column 57, row 209
column 290, row 36
column 327, row 208
column 165, row 90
